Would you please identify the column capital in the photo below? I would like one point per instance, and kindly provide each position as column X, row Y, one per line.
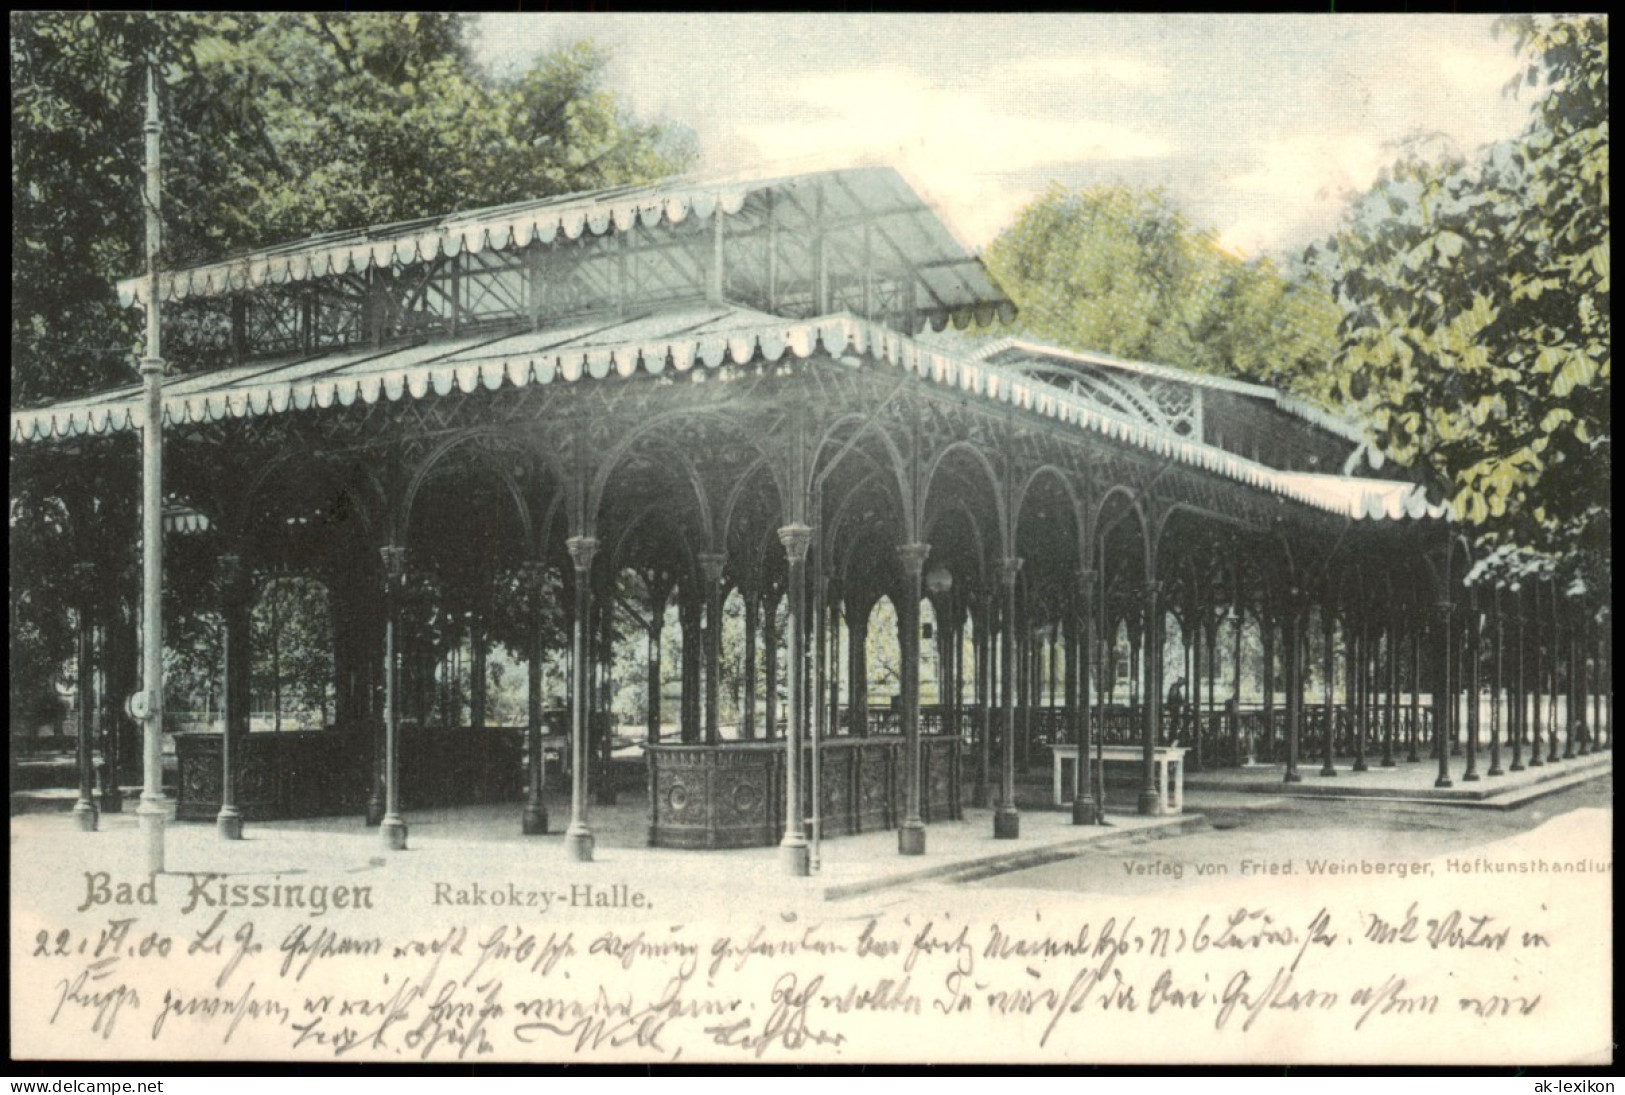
column 394, row 560
column 913, row 557
column 582, row 549
column 711, row 564
column 1009, row 568
column 1443, row 609
column 795, row 538
column 1086, row 578
column 1152, row 589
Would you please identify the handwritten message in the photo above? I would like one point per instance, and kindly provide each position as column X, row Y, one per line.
column 281, row 982
column 436, row 955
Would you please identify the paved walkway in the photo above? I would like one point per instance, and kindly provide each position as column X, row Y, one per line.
column 489, row 836
column 1410, row 781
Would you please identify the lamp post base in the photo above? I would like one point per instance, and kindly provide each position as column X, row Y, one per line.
column 911, row 838
column 229, row 823
column 1006, row 824
column 578, row 843
column 394, row 833
column 84, row 815
column 534, row 821
column 796, row 857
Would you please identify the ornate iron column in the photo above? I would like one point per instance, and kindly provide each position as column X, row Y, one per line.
column 1588, row 692
column 1328, row 700
column 1444, row 699
column 911, row 835
column 109, row 713
column 1517, row 706
column 1267, row 624
column 1608, row 675
column 753, row 620
column 601, row 716
column 815, row 710
column 1552, row 753
column 984, row 698
column 477, row 621
column 1391, row 692
column 578, row 838
column 1150, row 800
column 1537, row 755
column 1413, row 731
column 657, row 627
column 1497, row 683
column 147, row 706
column 1085, row 810
column 234, row 604
column 1294, row 640
column 392, row 825
column 1192, row 636
column 377, row 775
column 1599, row 676
column 832, row 662
column 794, row 850
column 770, row 666
column 1006, row 821
column 1359, row 683
column 84, row 810
column 711, row 564
column 691, row 716
column 1470, row 678
column 1238, row 617
column 533, row 581
column 1576, row 697
column 1022, row 670
column 857, row 667
column 1210, row 643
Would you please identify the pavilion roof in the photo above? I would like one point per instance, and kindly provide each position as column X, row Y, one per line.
column 913, row 239
column 1010, row 350
column 693, row 343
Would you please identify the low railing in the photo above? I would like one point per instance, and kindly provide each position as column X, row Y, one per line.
column 315, row 773
column 1215, row 736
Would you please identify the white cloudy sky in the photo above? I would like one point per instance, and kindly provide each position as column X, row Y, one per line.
column 1258, row 126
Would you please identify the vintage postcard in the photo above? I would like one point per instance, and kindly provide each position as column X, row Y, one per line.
column 813, row 539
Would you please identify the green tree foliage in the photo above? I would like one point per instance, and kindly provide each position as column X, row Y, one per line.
column 1477, row 329
column 1121, row 271
column 276, row 126
column 292, row 644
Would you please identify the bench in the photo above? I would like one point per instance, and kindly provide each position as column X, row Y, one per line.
column 1168, row 759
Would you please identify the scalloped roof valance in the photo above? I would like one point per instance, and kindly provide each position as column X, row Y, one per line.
column 693, row 344
column 949, row 275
